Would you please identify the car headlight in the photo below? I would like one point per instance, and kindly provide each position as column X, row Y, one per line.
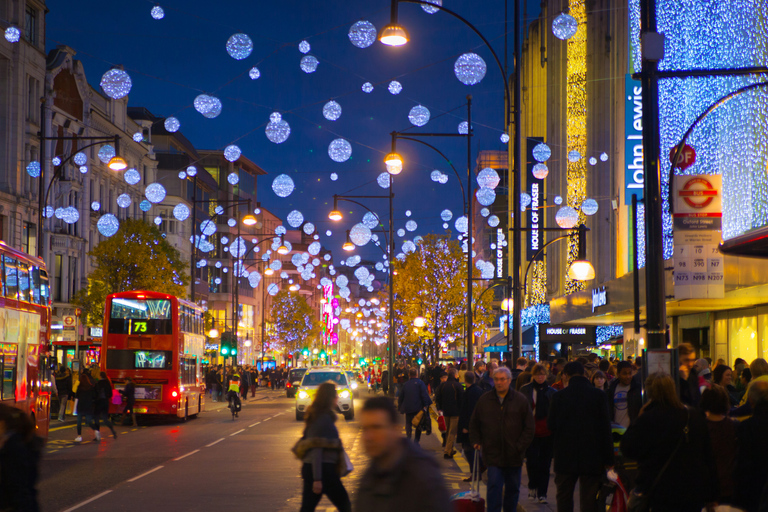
column 303, row 395
column 344, row 394
column 354, row 385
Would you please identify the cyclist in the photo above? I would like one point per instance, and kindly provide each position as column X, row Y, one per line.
column 233, row 394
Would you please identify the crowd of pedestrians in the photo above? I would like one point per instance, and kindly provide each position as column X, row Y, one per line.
column 218, row 377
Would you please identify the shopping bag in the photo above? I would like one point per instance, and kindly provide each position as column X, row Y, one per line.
column 416, row 421
column 617, row 501
column 117, row 398
column 441, row 423
column 74, row 408
column 346, row 466
column 471, row 500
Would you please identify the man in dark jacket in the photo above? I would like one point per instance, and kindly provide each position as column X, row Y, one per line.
column 448, row 400
column 401, row 477
column 689, row 379
column 624, row 396
column 471, row 395
column 413, row 398
column 502, row 427
column 583, row 446
column 751, row 472
column 63, row 389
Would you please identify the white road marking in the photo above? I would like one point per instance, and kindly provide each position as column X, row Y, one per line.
column 187, row 455
column 267, row 419
column 253, row 424
column 234, row 434
column 70, row 509
column 213, row 443
column 145, row 474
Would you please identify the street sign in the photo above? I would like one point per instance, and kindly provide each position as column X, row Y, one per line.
column 686, row 159
column 69, row 321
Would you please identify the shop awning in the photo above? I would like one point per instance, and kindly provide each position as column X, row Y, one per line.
column 498, row 342
column 752, row 243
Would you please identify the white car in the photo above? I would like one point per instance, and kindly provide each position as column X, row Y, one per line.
column 316, row 376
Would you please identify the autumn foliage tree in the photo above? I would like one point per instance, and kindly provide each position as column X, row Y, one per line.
column 293, row 321
column 137, row 257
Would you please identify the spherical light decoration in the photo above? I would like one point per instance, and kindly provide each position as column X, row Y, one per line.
column 408, row 247
column 58, row 212
column 295, row 218
column 12, row 34
column 541, row 152
column 493, row 221
column 461, row 224
column 172, row 124
column 155, row 193
column 276, row 265
column 367, row 87
column 95, row 206
column 470, row 68
column 138, row 137
column 116, row 83
column 485, row 196
column 564, row 26
column 362, row 273
column 362, row 34
column 540, row 171
column 239, row 46
column 504, row 138
column 525, row 200
column 209, row 106
column 309, row 228
column 238, row 248
column 488, row 178
column 370, row 220
column 224, row 240
column 574, row 156
column 592, row 160
column 309, row 63
column 132, row 176
column 208, row 227
column 411, row 225
column 233, row 178
column 191, row 170
column 429, row 9
column 182, row 175
column 435, row 176
column 277, row 129
column 603, row 157
column 70, row 215
column 108, row 225
column 83, row 169
column 419, row 115
column 314, row 248
column 342, row 281
column 80, row 158
column 254, row 73
column 145, row 205
column 254, row 279
column 395, row 87
column 106, row 152
column 231, row 222
column 219, row 210
column 339, row 150
column 282, row 185
column 334, row 176
column 157, row 12
column 446, row 215
column 56, row 161
column 589, row 206
column 566, row 217
column 332, row 111
column 360, row 234
column 181, row 212
column 48, row 212
column 124, row 200
column 485, row 212
column 33, row 169
column 304, row 47
column 558, row 200
column 217, row 280
column 383, row 180
column 463, row 128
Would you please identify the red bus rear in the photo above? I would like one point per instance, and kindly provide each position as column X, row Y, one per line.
column 157, row 340
column 25, row 323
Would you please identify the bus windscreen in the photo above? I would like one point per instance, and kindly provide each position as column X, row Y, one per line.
column 141, row 317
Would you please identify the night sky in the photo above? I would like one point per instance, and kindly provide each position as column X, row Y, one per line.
column 172, row 60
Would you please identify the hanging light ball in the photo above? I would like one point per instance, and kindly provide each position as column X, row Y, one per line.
column 124, row 200
column 182, row 175
column 12, row 34
column 411, row 225
column 254, row 73
column 360, row 234
column 181, row 212
column 95, row 206
column 446, row 215
column 108, row 225
column 564, row 26
column 309, row 228
column 504, row 138
column 370, row 220
column 419, row 115
column 334, row 176
column 239, row 46
column 493, row 221
column 232, row 152
column 429, row 9
column 158, row 220
column 138, row 137
column 589, row 206
column 309, row 63
column 116, row 83
column 485, row 196
column 277, row 129
column 592, row 160
column 70, row 215
column 80, row 158
column 470, row 68
column 145, row 205
column 132, row 176
column 567, row 217
column 362, row 34
column 463, row 128
column 83, row 169
column 603, row 157
column 304, row 47
column 282, row 185
column 33, row 169
column 525, row 200
column 332, row 111
column 191, row 170
column 155, row 193
column 488, row 178
column 485, row 212
column 208, row 106
column 172, row 124
column 367, row 87
column 558, row 200
column 233, row 178
column 541, row 152
column 339, row 150
column 574, row 156
column 295, row 218
column 395, row 87
column 540, row 171
column 383, row 180
column 157, row 12
column 461, row 224
column 106, row 152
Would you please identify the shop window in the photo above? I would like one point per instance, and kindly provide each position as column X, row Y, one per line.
column 742, row 335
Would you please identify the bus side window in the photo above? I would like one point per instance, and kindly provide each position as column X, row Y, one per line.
column 11, row 281
column 45, row 291
column 23, row 271
column 34, row 282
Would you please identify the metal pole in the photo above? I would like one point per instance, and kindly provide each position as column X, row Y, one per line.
column 236, row 290
column 263, row 326
column 470, row 339
column 656, row 314
column 193, row 273
column 517, row 244
column 392, row 337
column 636, row 270
column 42, row 137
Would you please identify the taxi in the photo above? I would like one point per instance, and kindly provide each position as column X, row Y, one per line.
column 312, row 380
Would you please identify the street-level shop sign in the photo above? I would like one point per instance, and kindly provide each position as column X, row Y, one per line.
column 599, row 297
column 567, row 333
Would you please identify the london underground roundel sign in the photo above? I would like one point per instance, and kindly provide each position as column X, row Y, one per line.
column 698, row 192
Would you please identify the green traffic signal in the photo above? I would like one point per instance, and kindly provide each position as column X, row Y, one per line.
column 224, row 350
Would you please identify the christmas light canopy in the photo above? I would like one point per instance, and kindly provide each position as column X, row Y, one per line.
column 470, row 68
column 239, row 46
column 564, row 26
column 362, row 34
column 282, row 185
column 116, row 83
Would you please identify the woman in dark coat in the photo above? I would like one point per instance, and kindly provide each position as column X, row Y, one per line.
column 101, row 404
column 538, row 457
column 86, row 389
column 666, row 430
column 19, row 456
column 129, row 394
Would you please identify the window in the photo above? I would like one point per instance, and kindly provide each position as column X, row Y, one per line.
column 138, row 316
column 57, row 275
column 29, row 237
column 33, row 99
column 11, row 280
column 30, row 25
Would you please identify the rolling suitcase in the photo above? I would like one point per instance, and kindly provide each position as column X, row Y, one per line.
column 470, row 501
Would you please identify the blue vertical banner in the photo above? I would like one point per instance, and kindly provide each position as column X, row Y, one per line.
column 634, row 174
column 534, row 211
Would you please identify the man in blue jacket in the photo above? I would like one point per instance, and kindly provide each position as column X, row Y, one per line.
column 413, row 397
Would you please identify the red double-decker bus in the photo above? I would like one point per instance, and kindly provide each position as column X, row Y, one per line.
column 157, row 340
column 25, row 324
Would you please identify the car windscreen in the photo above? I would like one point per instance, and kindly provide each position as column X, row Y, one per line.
column 317, row 378
column 296, row 375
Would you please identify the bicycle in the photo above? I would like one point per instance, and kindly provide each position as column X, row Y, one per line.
column 234, row 404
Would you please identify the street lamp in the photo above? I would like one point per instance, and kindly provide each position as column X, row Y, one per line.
column 393, row 35
column 117, row 163
column 394, row 163
column 213, row 333
column 348, row 245
column 250, row 220
column 581, row 269
column 419, row 321
column 282, row 250
column 507, row 305
column 335, row 215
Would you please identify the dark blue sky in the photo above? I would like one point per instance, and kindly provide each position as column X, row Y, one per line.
column 174, row 59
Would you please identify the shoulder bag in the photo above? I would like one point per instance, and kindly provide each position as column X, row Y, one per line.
column 641, row 501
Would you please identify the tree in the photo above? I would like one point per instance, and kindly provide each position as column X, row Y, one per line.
column 293, row 321
column 137, row 257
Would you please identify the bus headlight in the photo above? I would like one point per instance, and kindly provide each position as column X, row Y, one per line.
column 303, row 395
column 344, row 394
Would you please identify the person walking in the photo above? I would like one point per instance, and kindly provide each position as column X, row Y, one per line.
column 751, row 473
column 400, row 477
column 101, row 403
column 245, row 383
column 671, row 445
column 64, row 389
column 448, row 399
column 20, row 451
column 722, row 432
column 413, row 398
column 471, row 395
column 129, row 395
column 538, row 457
column 85, row 394
column 582, row 443
column 624, row 396
column 689, row 379
column 502, row 427
column 320, row 469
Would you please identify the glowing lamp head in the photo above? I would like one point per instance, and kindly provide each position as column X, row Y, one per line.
column 581, row 270
column 249, row 220
column 335, row 215
column 117, row 163
column 213, row 333
column 268, row 271
column 282, row 250
column 393, row 35
column 507, row 305
column 419, row 321
column 393, row 160
column 348, row 246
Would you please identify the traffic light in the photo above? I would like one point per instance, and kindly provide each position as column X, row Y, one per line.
column 305, row 352
column 224, row 349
